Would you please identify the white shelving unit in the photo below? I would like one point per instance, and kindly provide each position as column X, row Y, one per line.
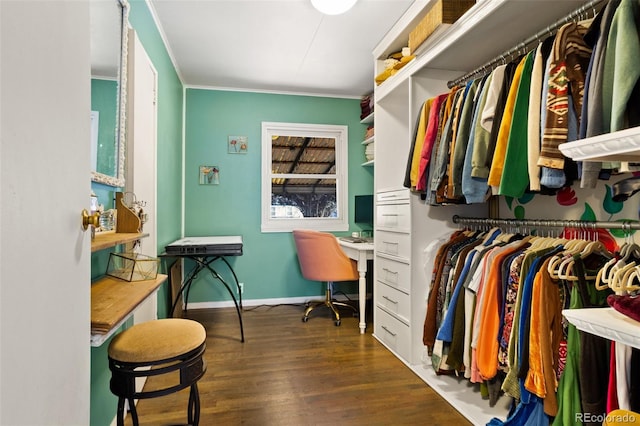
column 448, row 54
column 623, row 145
column 368, row 140
column 607, row 323
column 368, row 120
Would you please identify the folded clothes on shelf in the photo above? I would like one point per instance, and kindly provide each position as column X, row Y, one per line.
column 627, row 305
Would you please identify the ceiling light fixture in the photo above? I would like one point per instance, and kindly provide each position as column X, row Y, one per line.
column 333, row 7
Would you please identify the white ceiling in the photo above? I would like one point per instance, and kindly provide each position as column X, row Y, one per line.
column 275, row 45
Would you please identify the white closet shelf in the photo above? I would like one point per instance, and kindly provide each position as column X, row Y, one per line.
column 368, row 119
column 368, row 163
column 607, row 323
column 623, row 145
column 455, row 47
column 368, row 140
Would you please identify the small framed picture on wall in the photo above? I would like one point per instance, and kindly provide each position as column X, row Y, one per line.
column 209, row 175
column 238, row 144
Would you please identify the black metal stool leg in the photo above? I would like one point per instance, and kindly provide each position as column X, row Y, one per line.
column 120, row 414
column 132, row 410
column 194, row 405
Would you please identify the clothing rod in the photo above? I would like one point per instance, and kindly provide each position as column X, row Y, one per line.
column 544, row 223
column 522, row 47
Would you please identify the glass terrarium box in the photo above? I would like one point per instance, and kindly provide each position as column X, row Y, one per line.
column 132, row 266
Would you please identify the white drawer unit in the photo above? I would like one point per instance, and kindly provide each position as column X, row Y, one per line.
column 393, row 243
column 394, row 301
column 394, row 217
column 393, row 196
column 392, row 332
column 393, row 273
column 392, row 278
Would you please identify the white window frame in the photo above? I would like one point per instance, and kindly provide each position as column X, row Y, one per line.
column 341, row 136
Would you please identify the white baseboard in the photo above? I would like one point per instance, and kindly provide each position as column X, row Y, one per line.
column 267, row 302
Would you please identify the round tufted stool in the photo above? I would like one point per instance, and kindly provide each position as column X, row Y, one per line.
column 158, row 347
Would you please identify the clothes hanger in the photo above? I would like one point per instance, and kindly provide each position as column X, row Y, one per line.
column 566, row 268
column 619, row 277
column 599, row 285
column 629, row 287
column 588, row 247
column 561, row 264
column 630, row 251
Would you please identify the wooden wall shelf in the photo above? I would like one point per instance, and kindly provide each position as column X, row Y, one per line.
column 113, row 301
column 109, row 239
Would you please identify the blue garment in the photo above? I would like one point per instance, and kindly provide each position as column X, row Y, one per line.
column 445, row 333
column 531, row 414
column 525, row 307
column 492, row 237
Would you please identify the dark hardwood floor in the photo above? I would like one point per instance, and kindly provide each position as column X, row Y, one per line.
column 293, row 373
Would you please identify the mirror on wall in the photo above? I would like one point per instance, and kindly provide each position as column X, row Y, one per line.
column 109, row 21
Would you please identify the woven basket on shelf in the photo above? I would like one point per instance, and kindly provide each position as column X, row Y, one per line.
column 442, row 12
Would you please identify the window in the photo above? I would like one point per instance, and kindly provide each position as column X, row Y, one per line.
column 304, row 177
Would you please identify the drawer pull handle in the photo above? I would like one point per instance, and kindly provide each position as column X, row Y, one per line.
column 389, row 331
column 395, row 302
column 390, row 243
column 390, row 214
column 390, row 271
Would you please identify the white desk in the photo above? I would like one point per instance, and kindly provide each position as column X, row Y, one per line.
column 360, row 252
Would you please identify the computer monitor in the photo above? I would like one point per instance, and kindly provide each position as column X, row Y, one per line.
column 363, row 213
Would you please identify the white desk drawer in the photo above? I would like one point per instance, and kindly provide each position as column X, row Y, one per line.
column 393, row 301
column 396, row 217
column 392, row 196
column 393, row 243
column 393, row 273
column 393, row 333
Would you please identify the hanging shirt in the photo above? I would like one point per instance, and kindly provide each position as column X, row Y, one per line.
column 430, row 136
column 595, row 113
column 569, row 402
column 474, row 189
column 483, row 148
column 419, row 141
column 462, row 140
column 497, row 164
column 621, row 65
column 533, row 120
column 441, row 160
column 569, row 62
column 544, row 339
column 407, row 173
column 515, row 177
column 489, row 318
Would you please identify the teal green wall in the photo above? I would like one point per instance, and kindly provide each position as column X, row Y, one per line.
column 268, row 268
column 104, row 99
column 169, row 196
